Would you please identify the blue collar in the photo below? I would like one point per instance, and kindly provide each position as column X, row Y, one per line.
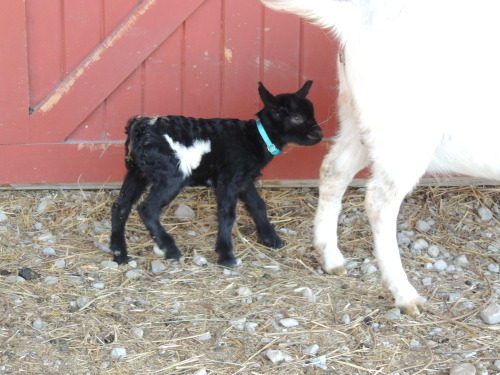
column 270, row 146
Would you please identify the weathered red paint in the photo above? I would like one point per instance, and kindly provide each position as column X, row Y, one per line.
column 85, row 67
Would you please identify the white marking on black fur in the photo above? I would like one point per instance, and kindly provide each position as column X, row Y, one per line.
column 189, row 157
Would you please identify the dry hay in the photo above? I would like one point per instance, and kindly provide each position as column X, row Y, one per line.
column 177, row 309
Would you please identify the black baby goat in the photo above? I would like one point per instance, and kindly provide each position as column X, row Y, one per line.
column 170, row 152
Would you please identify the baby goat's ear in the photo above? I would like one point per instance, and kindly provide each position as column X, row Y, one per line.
column 267, row 98
column 305, row 89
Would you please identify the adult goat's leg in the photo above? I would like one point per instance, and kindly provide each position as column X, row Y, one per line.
column 257, row 209
column 131, row 190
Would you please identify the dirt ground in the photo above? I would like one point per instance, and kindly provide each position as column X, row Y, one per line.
column 71, row 315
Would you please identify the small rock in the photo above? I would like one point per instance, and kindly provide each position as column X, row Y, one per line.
column 422, row 226
column 119, row 353
column 433, row 251
column 38, row 226
column 158, row 251
column 368, row 268
column 287, row 231
column 3, row 216
column 200, row 372
column 157, row 266
column 51, row 280
column 28, row 274
column 43, row 205
column 46, row 237
column 308, row 294
column 427, row 281
column 15, row 279
column 184, row 212
column 463, row 369
column 414, row 343
column 491, row 314
column 132, row 264
column 440, row 265
column 98, row 286
column 346, row 319
column 191, row 233
column 461, row 261
column 495, row 268
column 251, row 327
column 108, row 264
column 134, row 274
column 313, row 349
column 104, row 247
column 393, row 314
column 277, row 356
column 289, row 322
column 60, row 263
column 205, row 337
column 244, row 291
column 485, row 214
column 138, row 332
column 496, row 365
column 49, row 251
column 420, row 244
column 319, row 362
column 238, row 323
column 38, row 324
column 200, row 260
column 82, row 301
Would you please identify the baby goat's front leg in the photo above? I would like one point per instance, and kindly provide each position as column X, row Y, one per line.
column 257, row 208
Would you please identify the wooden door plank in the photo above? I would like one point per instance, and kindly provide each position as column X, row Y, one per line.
column 107, row 67
column 242, row 58
column 56, row 163
column 14, row 105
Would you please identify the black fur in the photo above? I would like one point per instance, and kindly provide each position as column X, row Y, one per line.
column 236, row 158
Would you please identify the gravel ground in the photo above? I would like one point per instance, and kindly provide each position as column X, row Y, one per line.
column 66, row 309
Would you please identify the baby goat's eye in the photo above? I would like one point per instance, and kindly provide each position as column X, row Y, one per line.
column 296, row 119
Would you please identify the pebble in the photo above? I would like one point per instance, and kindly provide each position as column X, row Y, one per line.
column 200, row 260
column 82, row 301
column 238, row 323
column 138, row 332
column 463, row 369
column 393, row 314
column 191, row 233
column 427, row 281
column 38, row 226
column 440, row 265
column 495, row 268
column 289, row 322
column 287, row 231
column 184, row 212
column 491, row 314
column 49, row 251
column 15, row 279
column 461, row 261
column 43, row 205
column 277, row 356
column 38, row 324
column 496, row 365
column 3, row 216
column 313, row 349
column 485, row 214
column 422, row 226
column 244, row 291
column 108, row 264
column 308, row 294
column 134, row 274
column 28, row 274
column 157, row 266
column 319, row 362
column 346, row 319
column 251, row 327
column 433, row 251
column 420, row 244
column 119, row 353
column 368, row 268
column 200, row 372
column 205, row 337
column 51, row 280
column 60, row 263
column 98, row 285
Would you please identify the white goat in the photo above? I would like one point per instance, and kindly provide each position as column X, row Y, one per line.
column 419, row 85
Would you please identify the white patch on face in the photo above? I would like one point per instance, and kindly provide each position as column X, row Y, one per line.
column 189, row 157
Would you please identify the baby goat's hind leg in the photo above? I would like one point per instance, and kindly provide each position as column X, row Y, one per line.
column 257, row 209
column 131, row 190
column 161, row 194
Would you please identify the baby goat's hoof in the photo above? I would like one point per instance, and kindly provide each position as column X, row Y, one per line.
column 121, row 259
column 227, row 261
column 414, row 307
column 171, row 254
column 274, row 242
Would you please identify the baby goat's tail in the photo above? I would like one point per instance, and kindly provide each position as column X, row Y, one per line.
column 338, row 16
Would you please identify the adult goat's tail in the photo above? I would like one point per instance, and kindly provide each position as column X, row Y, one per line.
column 339, row 16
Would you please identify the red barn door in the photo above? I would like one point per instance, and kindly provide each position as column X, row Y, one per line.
column 73, row 71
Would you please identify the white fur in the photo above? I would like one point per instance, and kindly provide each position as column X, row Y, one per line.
column 418, row 91
column 189, row 157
